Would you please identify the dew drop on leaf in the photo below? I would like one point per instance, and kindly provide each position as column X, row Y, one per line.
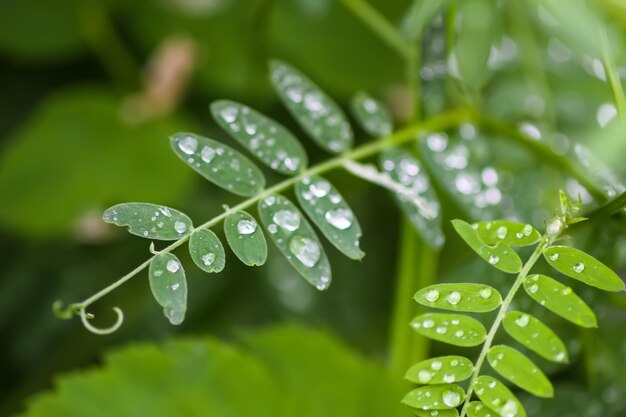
column 578, row 267
column 246, row 227
column 287, row 219
column 306, row 250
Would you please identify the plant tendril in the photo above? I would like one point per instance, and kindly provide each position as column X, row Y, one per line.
column 85, row 317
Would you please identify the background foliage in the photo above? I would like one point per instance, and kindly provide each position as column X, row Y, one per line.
column 92, row 89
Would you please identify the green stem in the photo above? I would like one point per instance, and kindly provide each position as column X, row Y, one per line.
column 545, row 241
column 381, row 26
column 612, row 77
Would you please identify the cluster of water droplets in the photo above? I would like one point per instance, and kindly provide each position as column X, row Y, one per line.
column 443, row 326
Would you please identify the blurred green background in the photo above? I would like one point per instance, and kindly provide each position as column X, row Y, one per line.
column 92, row 89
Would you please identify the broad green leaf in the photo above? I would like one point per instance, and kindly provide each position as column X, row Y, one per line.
column 578, row 265
column 507, row 232
column 435, row 397
column 331, row 213
column 207, row 251
column 475, row 298
column 265, row 138
column 169, row 286
column 559, row 299
column 455, row 329
column 245, row 238
column 314, row 110
column 373, row 115
column 498, row 397
column 500, row 256
column 439, row 413
column 419, row 16
column 535, row 335
column 295, row 238
column 218, row 163
column 151, row 221
column 478, row 409
column 403, row 168
column 441, row 370
column 521, row 371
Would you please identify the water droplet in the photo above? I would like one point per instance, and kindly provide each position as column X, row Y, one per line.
column 555, row 226
column 533, row 288
column 523, row 320
column 207, row 154
column 437, row 142
column 489, row 176
column 320, row 188
column 566, row 291
column 560, row 356
column 441, row 330
column 494, row 259
column 272, row 228
column 166, row 212
column 174, row 287
column 485, row 293
column 492, row 384
column 466, row 183
column 454, row 297
column 579, row 267
column 448, row 378
column 432, row 295
column 172, row 265
column 436, row 365
column 180, row 227
column 501, row 232
column 554, row 256
column 451, row 398
column 188, row 145
column 229, row 114
column 428, row 323
column 246, row 227
column 424, row 376
column 459, row 333
column 287, row 219
column 208, row 258
column 340, row 218
column 305, row 249
column 509, row 409
column 527, row 230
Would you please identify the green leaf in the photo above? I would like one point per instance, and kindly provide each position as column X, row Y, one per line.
column 295, row 238
column 419, row 16
column 168, row 285
column 475, row 298
column 245, row 238
column 536, row 336
column 578, row 265
column 207, row 251
column 403, row 168
column 507, row 232
column 435, row 397
column 453, row 412
column 314, row 110
column 265, row 138
column 455, row 329
column 498, row 396
column 521, row 371
column 373, row 115
column 478, row 409
column 559, row 299
column 218, row 163
column 500, row 256
column 151, row 221
column 331, row 213
column 441, row 370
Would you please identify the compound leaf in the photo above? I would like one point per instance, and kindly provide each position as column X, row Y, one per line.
column 265, row 138
column 207, row 251
column 578, row 265
column 559, row 299
column 169, row 286
column 314, row 110
column 245, row 238
column 498, row 396
column 536, row 336
column 521, row 371
column 435, row 397
column 373, row 116
column 475, row 298
column 295, row 238
column 148, row 220
column 218, row 163
column 331, row 213
column 455, row 329
column 444, row 369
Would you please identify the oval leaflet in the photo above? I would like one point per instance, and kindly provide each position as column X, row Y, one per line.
column 498, row 397
column 435, row 397
column 207, row 251
column 508, row 232
column 455, row 329
column 169, row 286
column 245, row 238
column 521, row 371
column 536, row 336
column 151, row 221
column 441, row 370
column 373, row 116
column 475, row 298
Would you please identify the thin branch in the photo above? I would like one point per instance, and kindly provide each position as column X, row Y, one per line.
column 612, row 76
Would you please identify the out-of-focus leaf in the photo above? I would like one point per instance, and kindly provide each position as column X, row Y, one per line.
column 441, row 370
column 149, row 220
column 218, row 163
column 455, row 329
column 314, row 110
column 265, row 138
column 535, row 335
column 508, row 232
column 169, row 286
column 479, row 409
column 491, row 391
column 435, row 397
column 330, row 212
column 77, row 152
column 578, row 265
column 207, row 251
column 295, row 238
column 521, row 371
column 475, row 298
column 559, row 299
column 373, row 115
column 245, row 238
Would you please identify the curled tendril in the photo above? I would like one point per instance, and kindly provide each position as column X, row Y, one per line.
column 84, row 317
column 65, row 312
column 153, row 249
